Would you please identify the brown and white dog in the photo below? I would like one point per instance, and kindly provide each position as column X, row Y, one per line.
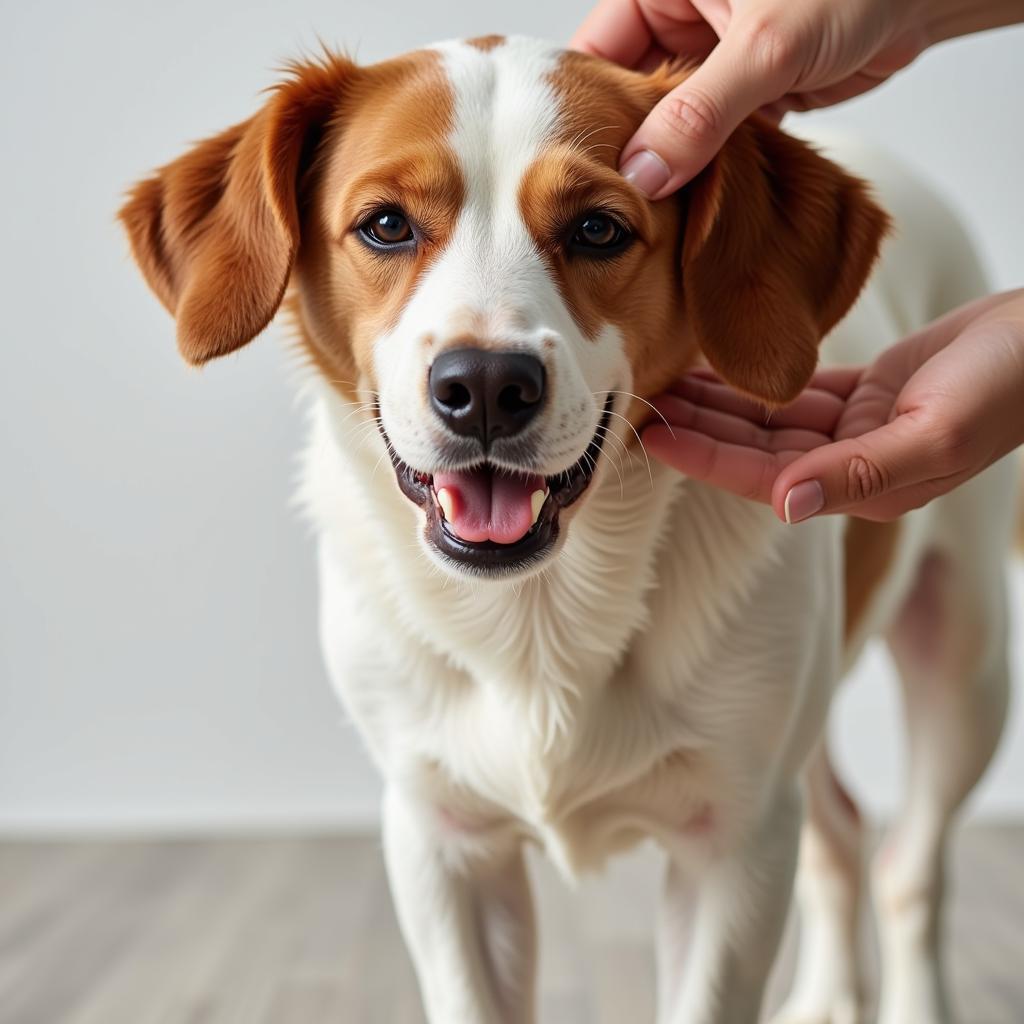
column 542, row 638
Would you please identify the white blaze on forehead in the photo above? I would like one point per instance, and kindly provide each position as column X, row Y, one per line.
column 506, row 111
column 491, row 273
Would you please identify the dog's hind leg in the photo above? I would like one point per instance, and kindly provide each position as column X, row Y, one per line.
column 467, row 918
column 826, row 988
column 949, row 643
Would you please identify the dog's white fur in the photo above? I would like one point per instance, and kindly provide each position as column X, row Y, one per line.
column 668, row 674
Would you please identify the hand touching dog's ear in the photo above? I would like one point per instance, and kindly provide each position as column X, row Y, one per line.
column 779, row 242
column 215, row 232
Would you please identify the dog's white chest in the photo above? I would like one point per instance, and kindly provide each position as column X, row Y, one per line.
column 617, row 768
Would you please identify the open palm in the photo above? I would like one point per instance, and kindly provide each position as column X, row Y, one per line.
column 929, row 413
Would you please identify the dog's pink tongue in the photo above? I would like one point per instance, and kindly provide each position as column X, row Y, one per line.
column 487, row 505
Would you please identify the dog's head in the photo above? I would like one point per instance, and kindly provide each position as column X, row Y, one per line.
column 461, row 247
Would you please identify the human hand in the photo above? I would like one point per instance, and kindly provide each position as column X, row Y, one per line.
column 773, row 55
column 931, row 412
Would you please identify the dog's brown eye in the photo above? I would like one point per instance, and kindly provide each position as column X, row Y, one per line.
column 388, row 227
column 599, row 234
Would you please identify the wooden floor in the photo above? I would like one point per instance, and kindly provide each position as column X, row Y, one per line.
column 301, row 931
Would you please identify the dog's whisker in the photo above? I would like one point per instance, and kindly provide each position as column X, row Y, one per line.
column 352, row 384
column 624, row 451
column 605, row 432
column 650, row 472
column 364, row 408
column 367, row 432
column 369, row 426
column 389, row 450
column 615, row 461
column 614, row 457
column 630, row 394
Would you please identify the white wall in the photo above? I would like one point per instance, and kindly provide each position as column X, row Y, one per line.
column 158, row 663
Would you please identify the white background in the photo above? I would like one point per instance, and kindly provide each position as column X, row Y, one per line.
column 158, row 659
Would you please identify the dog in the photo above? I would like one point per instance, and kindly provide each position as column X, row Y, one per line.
column 543, row 639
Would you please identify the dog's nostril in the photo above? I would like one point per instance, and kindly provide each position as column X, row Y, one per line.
column 515, row 398
column 454, row 396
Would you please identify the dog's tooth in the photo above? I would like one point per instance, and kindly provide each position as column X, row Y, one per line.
column 537, row 500
column 447, row 503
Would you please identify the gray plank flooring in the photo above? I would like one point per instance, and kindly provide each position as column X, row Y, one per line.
column 300, row 930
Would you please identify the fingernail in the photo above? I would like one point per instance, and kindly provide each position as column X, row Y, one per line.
column 803, row 500
column 647, row 172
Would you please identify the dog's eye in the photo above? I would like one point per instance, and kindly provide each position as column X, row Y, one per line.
column 387, row 227
column 599, row 234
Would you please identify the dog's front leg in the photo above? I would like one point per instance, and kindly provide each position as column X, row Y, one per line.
column 466, row 913
column 719, row 927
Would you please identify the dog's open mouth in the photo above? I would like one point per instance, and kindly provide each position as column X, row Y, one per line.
column 489, row 518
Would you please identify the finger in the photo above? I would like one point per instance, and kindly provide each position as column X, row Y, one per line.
column 828, row 96
column 847, row 474
column 906, row 499
column 723, row 426
column 840, row 381
column 615, row 30
column 747, row 472
column 868, row 408
column 653, row 59
column 816, row 409
column 683, row 33
column 689, row 125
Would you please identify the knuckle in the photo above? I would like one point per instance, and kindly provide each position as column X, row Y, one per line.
column 952, row 440
column 692, row 117
column 771, row 47
column 865, row 479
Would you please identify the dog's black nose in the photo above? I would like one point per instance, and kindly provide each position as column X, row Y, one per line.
column 486, row 394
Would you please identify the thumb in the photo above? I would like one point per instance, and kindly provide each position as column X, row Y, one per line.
column 681, row 135
column 847, row 476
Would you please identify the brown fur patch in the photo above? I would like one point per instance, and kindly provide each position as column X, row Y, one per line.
column 779, row 244
column 348, row 295
column 486, row 43
column 869, row 549
column 216, row 231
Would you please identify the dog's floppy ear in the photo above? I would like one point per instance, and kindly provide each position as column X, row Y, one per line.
column 215, row 232
column 778, row 244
